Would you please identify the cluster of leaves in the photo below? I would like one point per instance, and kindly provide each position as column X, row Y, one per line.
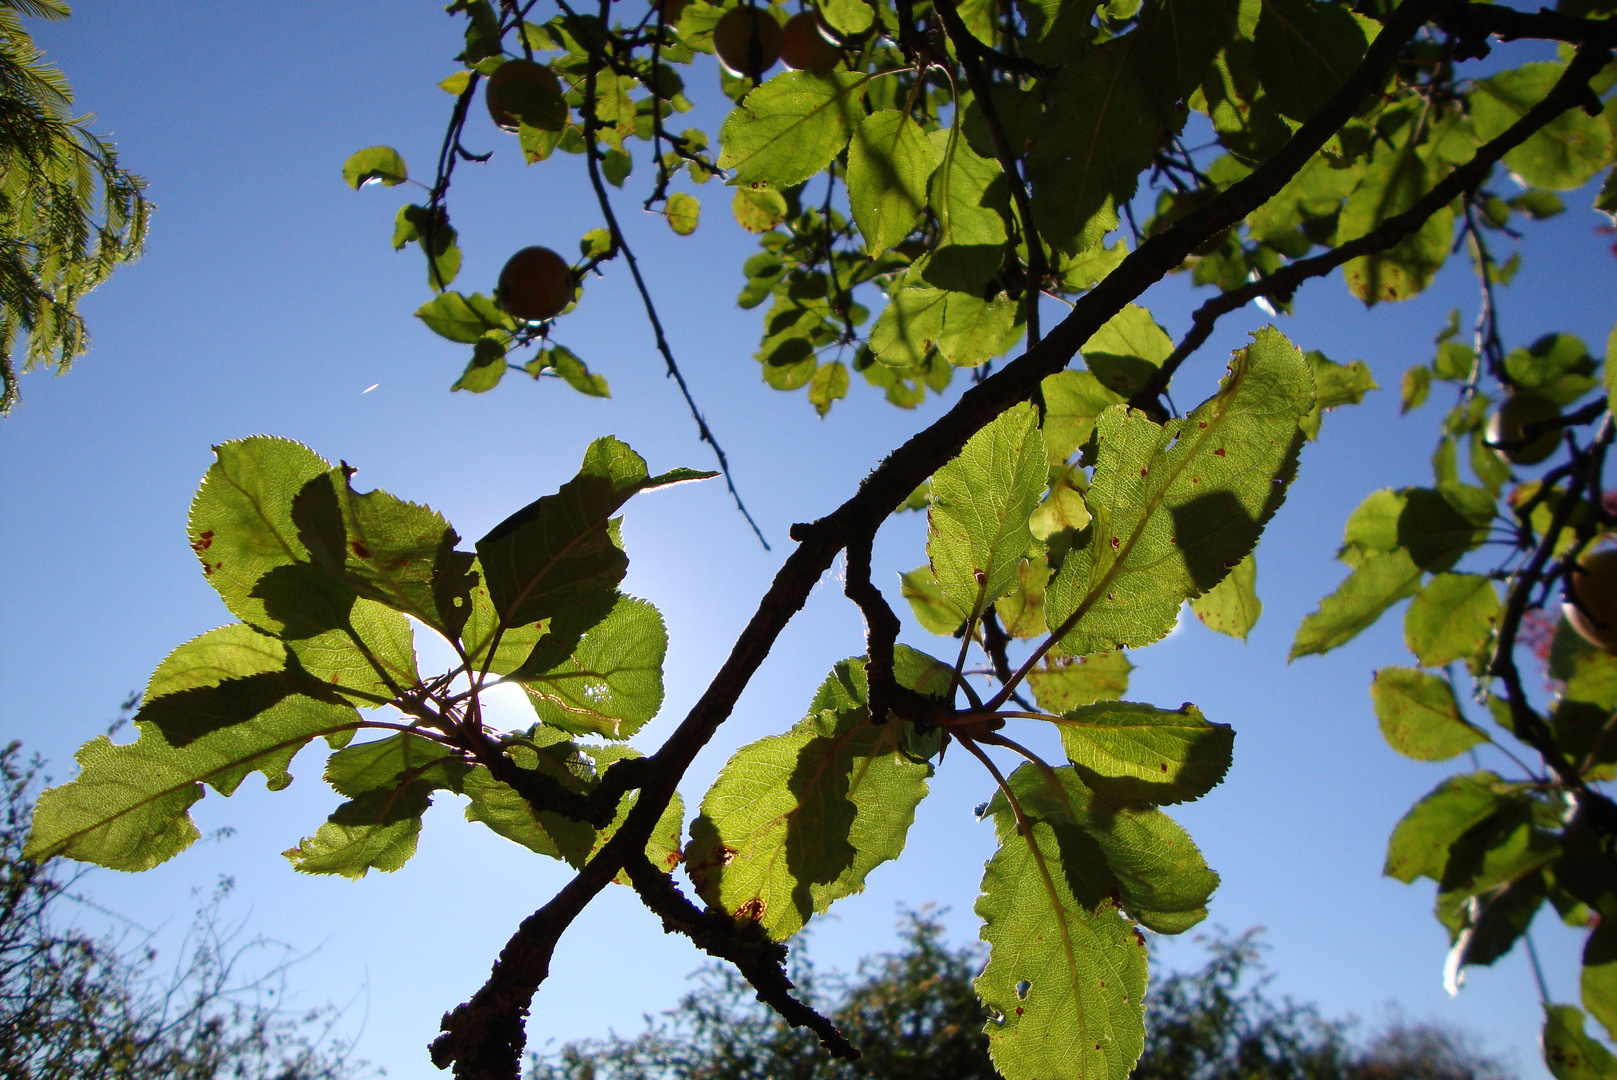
column 327, row 581
column 74, row 1007
column 69, row 214
column 975, row 159
column 1474, row 554
column 916, row 1012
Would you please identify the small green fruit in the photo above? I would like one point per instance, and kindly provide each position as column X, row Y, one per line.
column 1509, row 424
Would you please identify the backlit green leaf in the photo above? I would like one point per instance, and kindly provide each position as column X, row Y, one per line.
column 1072, row 402
column 1335, row 384
column 1563, row 154
column 1100, row 131
column 1419, row 845
column 1066, row 972
column 1598, row 981
column 1450, row 618
column 378, row 830
column 932, row 610
column 1304, row 50
column 966, row 329
column 1232, row 606
column 796, row 821
column 1127, row 351
column 374, row 163
column 1396, row 179
column 683, row 213
column 559, row 550
column 241, row 523
column 602, row 674
column 1377, row 583
column 969, row 197
column 1569, row 1052
column 1177, row 506
column 791, row 127
column 463, row 318
column 977, row 526
column 889, row 162
column 1419, row 716
column 1139, row 754
column 1146, row 859
column 1063, row 683
column 228, row 706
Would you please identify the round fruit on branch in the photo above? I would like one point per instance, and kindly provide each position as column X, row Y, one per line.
column 1508, row 427
column 536, row 284
column 1593, row 582
column 748, row 41
column 804, row 47
column 522, row 91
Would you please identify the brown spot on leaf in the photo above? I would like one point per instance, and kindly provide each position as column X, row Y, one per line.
column 1116, row 543
column 364, row 552
column 1201, row 423
column 1019, row 1010
column 203, row 542
column 1142, row 472
column 1219, row 452
column 752, row 910
column 1163, row 766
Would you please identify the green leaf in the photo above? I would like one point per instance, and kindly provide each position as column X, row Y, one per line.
column 1397, row 177
column 1145, row 859
column 384, row 764
column 830, row 384
column 966, row 329
column 1419, row 716
column 1139, row 754
column 758, row 209
column 398, row 553
column 1303, row 51
column 374, row 163
column 220, row 707
column 1335, row 384
column 683, row 213
column 1066, row 972
column 1563, row 154
column 241, row 522
column 889, row 162
column 1451, row 618
column 377, row 830
column 1416, row 386
column 1061, row 684
column 977, row 527
column 1420, row 843
column 1377, row 583
column 969, row 196
column 1569, row 1052
column 796, row 821
column 1606, row 201
column 1598, row 981
column 573, row 372
column 1073, row 400
column 1100, row 130
column 599, row 669
column 1232, row 606
column 932, row 610
column 1556, row 366
column 465, row 319
column 358, row 647
column 791, row 127
column 1127, row 351
column 1177, row 506
column 559, row 550
column 847, row 16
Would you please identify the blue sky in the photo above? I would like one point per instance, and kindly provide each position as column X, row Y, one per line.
column 270, row 300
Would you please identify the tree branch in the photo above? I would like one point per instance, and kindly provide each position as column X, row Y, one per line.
column 497, row 1009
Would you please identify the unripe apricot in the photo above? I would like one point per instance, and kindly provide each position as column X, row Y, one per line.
column 748, row 41
column 803, row 47
column 514, row 81
column 1509, row 423
column 536, row 284
column 1594, row 582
